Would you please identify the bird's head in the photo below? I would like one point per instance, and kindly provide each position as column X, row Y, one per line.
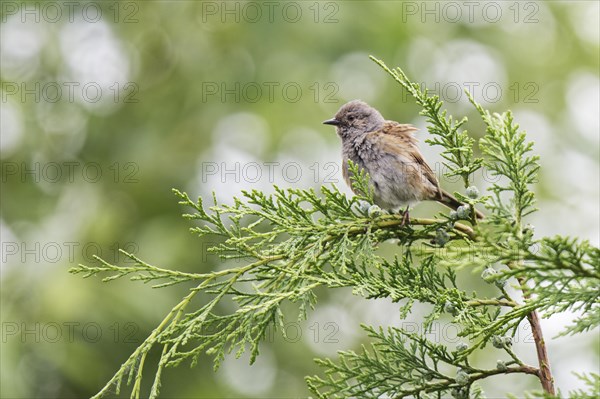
column 356, row 118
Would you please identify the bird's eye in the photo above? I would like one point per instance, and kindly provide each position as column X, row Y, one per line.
column 350, row 118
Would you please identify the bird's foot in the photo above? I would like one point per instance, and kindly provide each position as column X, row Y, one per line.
column 405, row 217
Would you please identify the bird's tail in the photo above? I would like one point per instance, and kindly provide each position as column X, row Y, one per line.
column 451, row 202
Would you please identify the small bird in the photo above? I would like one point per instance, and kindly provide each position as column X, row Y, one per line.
column 388, row 152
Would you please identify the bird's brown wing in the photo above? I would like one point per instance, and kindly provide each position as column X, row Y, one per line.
column 404, row 133
column 427, row 172
column 401, row 131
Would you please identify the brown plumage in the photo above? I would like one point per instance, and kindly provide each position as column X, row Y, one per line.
column 389, row 152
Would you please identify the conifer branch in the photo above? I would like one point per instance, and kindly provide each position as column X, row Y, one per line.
column 294, row 242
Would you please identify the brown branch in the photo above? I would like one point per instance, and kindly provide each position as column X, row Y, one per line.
column 544, row 373
column 479, row 375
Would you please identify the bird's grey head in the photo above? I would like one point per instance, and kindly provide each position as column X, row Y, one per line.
column 355, row 119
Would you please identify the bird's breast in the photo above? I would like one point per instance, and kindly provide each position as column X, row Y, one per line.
column 390, row 172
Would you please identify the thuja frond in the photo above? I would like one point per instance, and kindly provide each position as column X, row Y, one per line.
column 401, row 364
column 292, row 242
column 592, row 391
column 141, row 271
column 288, row 244
column 360, row 182
column 592, row 382
column 401, row 280
column 447, row 131
column 509, row 156
column 565, row 274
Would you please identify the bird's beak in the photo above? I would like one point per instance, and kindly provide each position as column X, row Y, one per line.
column 332, row 121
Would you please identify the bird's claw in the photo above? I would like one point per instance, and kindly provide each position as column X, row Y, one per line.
column 405, row 218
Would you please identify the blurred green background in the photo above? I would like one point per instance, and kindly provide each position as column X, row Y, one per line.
column 108, row 105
